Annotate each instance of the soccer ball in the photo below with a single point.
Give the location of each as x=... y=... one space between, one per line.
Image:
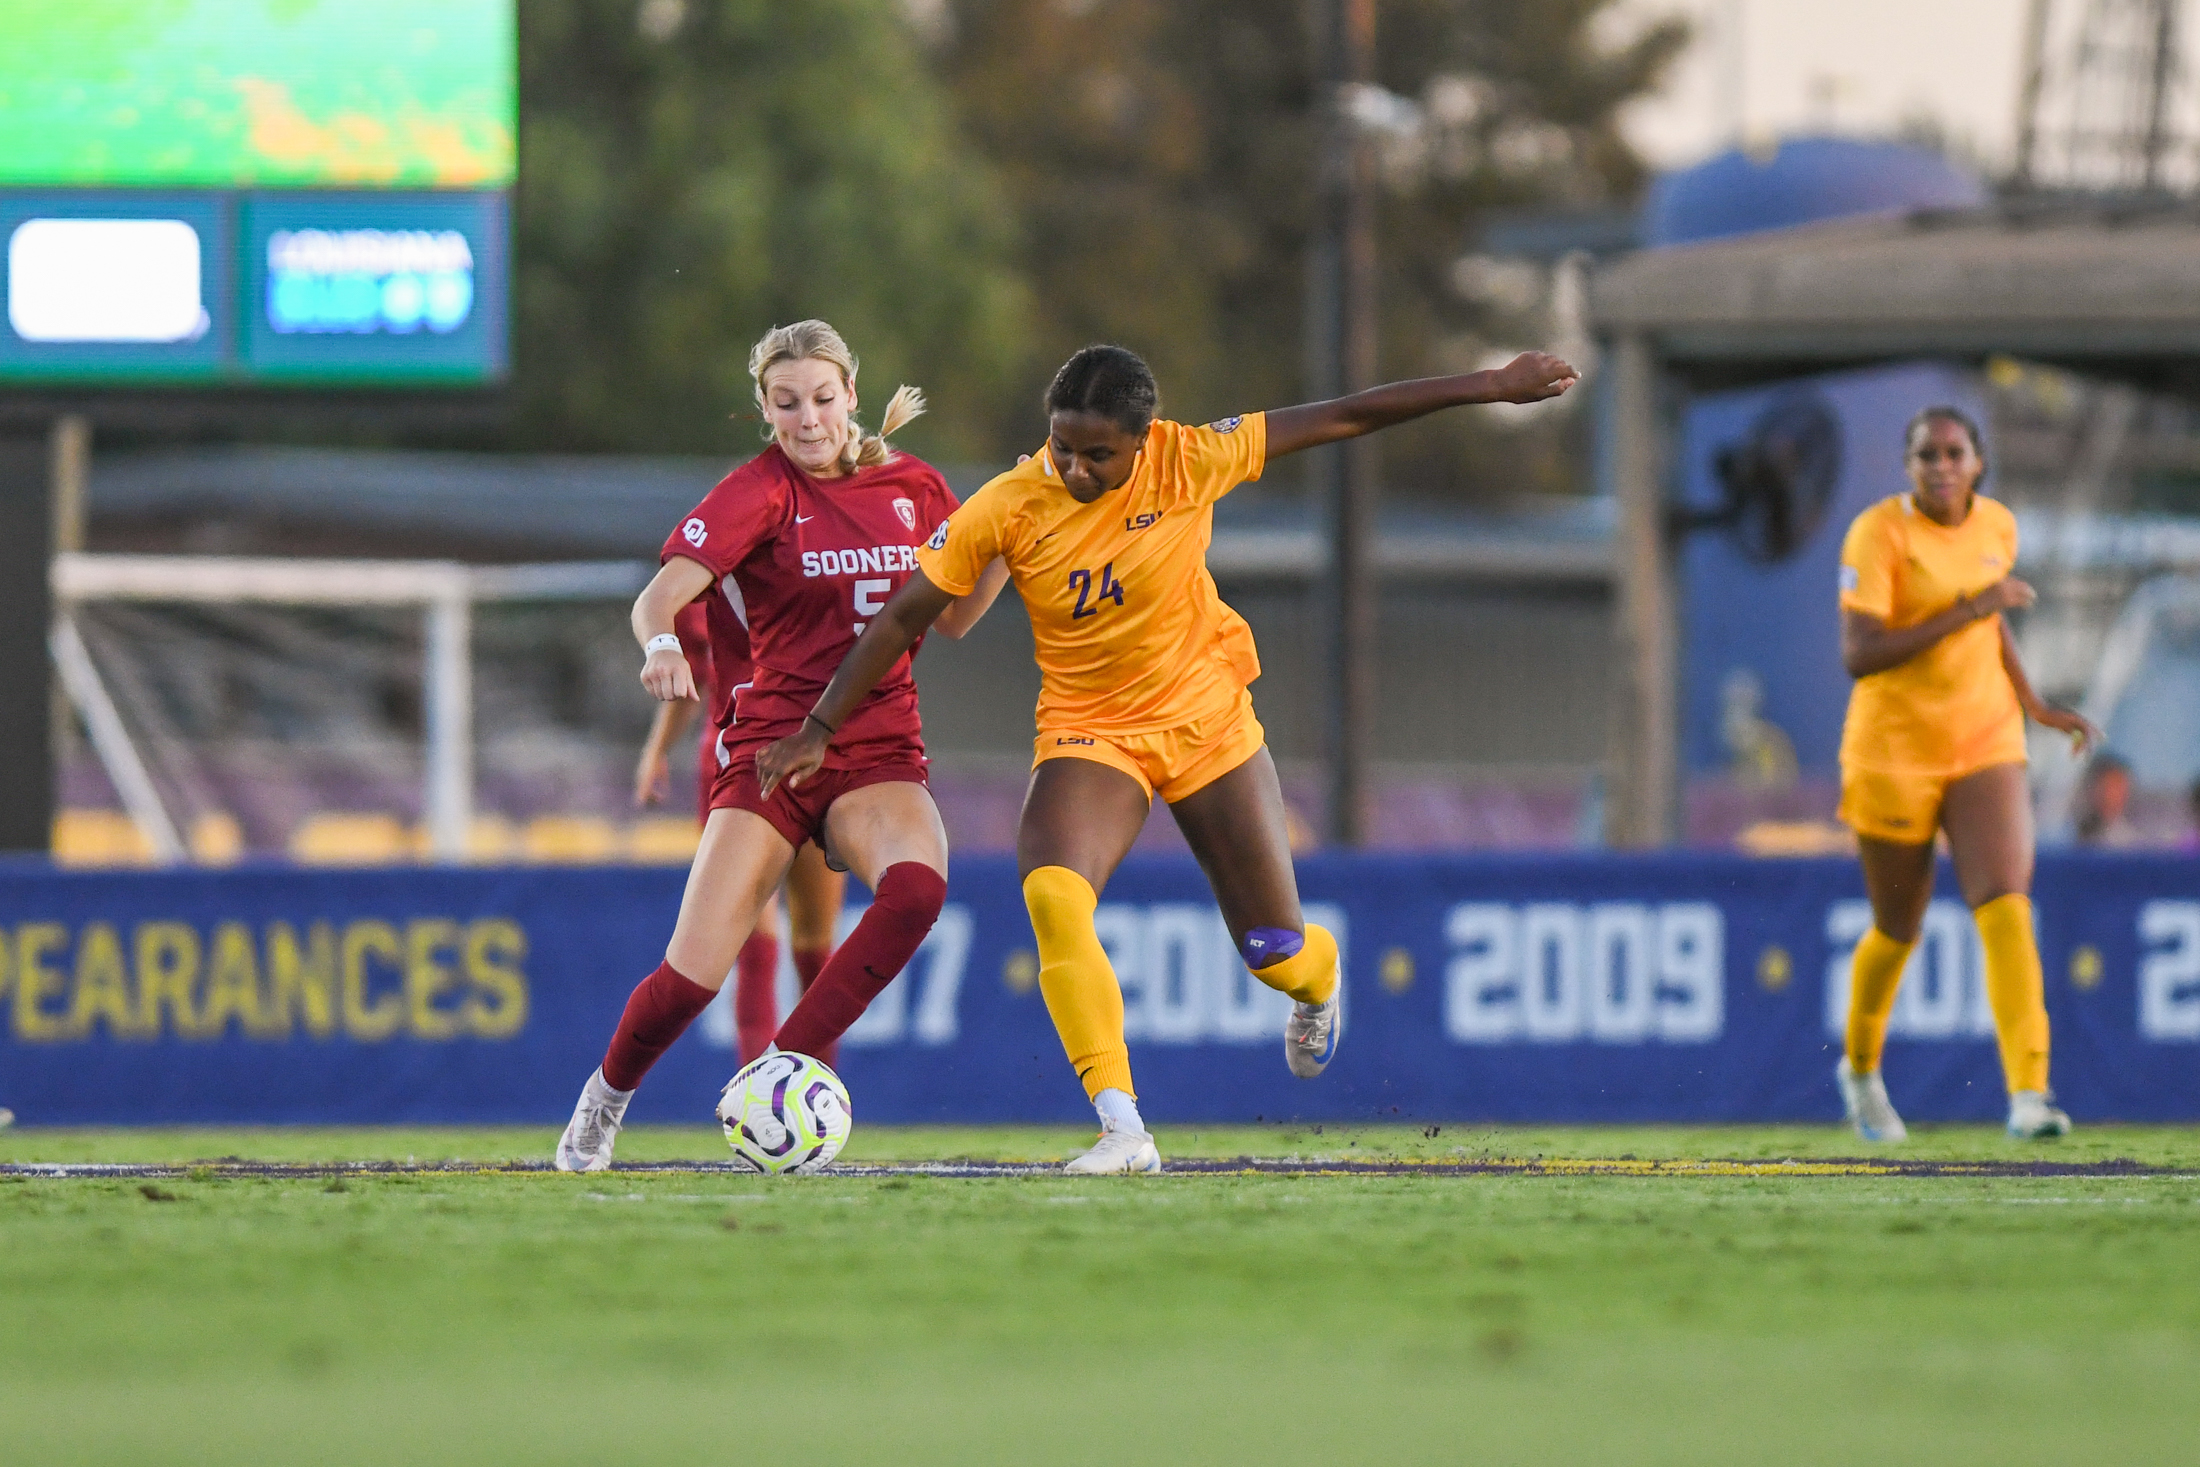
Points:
x=785 y=1113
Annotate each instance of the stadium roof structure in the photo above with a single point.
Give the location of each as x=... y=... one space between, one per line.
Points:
x=2104 y=288
x=2110 y=288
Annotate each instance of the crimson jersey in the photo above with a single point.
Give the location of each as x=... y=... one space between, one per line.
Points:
x=802 y=566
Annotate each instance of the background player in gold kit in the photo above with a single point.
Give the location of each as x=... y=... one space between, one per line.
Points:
x=1143 y=692
x=1935 y=742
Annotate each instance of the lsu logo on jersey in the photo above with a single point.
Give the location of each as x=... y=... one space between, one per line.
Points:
x=939 y=537
x=907 y=509
x=695 y=532
x=1135 y=523
x=1226 y=425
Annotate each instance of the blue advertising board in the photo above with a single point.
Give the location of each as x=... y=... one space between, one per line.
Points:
x=1563 y=988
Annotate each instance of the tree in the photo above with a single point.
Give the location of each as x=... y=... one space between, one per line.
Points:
x=693 y=173
x=1162 y=155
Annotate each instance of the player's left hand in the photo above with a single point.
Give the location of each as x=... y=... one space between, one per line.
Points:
x=793 y=759
x=2083 y=735
x=1534 y=376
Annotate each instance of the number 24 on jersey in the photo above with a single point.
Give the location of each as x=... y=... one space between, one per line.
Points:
x=1110 y=589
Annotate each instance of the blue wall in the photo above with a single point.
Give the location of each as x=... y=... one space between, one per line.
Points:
x=1682 y=988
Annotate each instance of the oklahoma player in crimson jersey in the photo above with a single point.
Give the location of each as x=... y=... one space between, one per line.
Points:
x=797 y=548
x=813 y=890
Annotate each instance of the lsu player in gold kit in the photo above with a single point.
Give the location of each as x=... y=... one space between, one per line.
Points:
x=1143 y=686
x=1935 y=743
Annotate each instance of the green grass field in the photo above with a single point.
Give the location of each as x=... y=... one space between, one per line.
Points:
x=486 y=1317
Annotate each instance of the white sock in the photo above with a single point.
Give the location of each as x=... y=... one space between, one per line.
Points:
x=604 y=1091
x=1118 y=1112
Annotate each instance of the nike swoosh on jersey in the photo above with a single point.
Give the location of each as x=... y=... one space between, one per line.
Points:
x=803 y=519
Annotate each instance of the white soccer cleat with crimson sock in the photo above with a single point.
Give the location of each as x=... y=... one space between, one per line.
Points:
x=589 y=1136
x=1118 y=1151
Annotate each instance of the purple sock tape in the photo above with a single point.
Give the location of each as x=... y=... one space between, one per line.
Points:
x=1268 y=945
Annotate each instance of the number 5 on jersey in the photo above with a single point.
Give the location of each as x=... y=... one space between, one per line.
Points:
x=1111 y=589
x=870 y=600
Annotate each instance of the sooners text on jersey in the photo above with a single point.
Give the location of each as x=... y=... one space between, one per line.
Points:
x=802 y=565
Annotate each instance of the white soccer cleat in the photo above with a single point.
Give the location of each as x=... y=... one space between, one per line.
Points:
x=1864 y=1098
x=2033 y=1116
x=1310 y=1035
x=1117 y=1152
x=586 y=1144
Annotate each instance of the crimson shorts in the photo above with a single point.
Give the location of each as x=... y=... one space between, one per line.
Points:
x=798 y=812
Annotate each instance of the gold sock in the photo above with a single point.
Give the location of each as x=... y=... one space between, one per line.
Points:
x=1308 y=975
x=1874 y=973
x=1077 y=980
x=2015 y=989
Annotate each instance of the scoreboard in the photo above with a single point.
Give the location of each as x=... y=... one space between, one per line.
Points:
x=209 y=193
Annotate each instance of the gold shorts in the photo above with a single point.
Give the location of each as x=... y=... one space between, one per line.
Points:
x=1173 y=763
x=1889 y=805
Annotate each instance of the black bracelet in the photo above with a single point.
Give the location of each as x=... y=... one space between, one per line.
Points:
x=821 y=723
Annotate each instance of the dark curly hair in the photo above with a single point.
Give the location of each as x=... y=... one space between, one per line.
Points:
x=1113 y=381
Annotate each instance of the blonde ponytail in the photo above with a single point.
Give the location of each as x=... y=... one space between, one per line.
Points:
x=907 y=403
x=807 y=340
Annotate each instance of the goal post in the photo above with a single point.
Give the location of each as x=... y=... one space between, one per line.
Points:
x=444 y=592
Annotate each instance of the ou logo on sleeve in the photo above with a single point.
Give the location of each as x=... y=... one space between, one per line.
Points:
x=695 y=532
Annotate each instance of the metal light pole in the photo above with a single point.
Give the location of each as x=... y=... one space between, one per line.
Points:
x=1341 y=359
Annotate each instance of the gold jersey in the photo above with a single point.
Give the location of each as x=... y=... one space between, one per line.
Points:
x=1951 y=709
x=1131 y=635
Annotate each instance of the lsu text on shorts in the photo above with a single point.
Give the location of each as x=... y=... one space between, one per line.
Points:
x=1174 y=763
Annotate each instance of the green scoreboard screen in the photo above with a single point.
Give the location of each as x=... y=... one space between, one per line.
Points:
x=237 y=192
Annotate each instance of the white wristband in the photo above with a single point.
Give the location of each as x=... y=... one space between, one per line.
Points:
x=662 y=642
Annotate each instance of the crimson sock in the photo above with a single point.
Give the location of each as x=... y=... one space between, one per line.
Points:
x=808 y=963
x=756 y=994
x=662 y=1007
x=903 y=910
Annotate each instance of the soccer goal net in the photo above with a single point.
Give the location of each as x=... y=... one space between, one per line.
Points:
x=220 y=708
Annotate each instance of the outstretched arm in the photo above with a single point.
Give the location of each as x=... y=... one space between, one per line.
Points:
x=892 y=632
x=1530 y=377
